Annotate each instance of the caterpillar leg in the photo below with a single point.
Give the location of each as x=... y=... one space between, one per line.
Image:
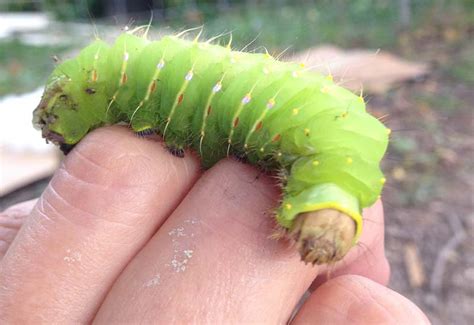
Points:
x=66 y=148
x=145 y=132
x=240 y=156
x=323 y=236
x=175 y=151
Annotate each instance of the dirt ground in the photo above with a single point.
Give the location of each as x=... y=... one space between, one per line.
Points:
x=429 y=198
x=429 y=194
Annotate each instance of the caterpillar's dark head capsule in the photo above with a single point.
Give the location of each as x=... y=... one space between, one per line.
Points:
x=324 y=236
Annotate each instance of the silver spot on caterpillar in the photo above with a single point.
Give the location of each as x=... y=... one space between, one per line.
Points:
x=217 y=87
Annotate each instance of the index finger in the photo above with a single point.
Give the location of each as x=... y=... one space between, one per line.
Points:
x=111 y=194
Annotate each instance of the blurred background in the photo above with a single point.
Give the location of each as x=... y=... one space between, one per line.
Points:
x=413 y=59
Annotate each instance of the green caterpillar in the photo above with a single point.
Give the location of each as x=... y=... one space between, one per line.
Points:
x=220 y=102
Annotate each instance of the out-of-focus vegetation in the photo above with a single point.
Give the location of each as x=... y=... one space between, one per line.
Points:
x=271 y=24
x=20 y=5
x=463 y=67
x=278 y=23
x=359 y=23
x=24 y=67
x=300 y=23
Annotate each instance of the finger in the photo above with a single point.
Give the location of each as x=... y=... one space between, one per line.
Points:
x=357 y=300
x=368 y=257
x=10 y=222
x=213 y=261
x=100 y=208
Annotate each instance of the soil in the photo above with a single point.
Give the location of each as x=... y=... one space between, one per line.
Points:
x=429 y=196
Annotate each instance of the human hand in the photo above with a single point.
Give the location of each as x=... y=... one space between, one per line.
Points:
x=127 y=233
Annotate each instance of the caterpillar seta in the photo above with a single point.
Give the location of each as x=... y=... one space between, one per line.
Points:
x=221 y=102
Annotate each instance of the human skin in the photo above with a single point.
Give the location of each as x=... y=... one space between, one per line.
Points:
x=127 y=233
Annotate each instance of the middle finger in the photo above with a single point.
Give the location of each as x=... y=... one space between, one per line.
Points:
x=213 y=261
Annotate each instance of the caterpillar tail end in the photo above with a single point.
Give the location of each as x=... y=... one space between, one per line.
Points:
x=324 y=220
x=324 y=236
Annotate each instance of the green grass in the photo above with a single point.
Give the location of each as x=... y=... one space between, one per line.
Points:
x=296 y=24
x=303 y=24
x=24 y=67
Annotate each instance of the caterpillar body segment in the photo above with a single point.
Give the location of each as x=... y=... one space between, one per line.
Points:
x=222 y=102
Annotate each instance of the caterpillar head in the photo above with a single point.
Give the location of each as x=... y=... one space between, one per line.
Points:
x=62 y=116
